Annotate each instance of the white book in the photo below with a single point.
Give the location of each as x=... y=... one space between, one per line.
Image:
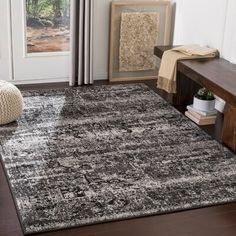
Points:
x=203 y=113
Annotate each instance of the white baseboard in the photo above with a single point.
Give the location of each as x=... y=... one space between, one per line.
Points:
x=101 y=76
x=39 y=81
x=55 y=80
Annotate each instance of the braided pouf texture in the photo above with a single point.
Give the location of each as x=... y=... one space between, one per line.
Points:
x=11 y=102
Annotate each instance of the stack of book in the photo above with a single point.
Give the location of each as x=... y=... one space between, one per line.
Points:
x=201 y=117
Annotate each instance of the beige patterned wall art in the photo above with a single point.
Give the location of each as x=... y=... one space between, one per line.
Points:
x=136 y=27
x=138 y=36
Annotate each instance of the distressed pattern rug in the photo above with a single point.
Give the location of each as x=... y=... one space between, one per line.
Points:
x=81 y=156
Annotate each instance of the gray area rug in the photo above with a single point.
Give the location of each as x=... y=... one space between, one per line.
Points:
x=93 y=154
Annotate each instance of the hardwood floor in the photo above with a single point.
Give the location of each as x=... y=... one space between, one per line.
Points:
x=210 y=221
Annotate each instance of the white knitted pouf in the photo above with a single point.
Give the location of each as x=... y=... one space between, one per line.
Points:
x=11 y=102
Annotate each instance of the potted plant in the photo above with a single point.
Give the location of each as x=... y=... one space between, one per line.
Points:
x=204 y=100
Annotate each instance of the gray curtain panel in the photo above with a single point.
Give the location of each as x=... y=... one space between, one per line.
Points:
x=81 y=42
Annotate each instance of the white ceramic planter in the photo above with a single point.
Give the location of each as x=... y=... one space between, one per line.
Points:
x=203 y=105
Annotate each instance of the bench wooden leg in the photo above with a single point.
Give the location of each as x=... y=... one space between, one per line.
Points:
x=229 y=127
x=186 y=89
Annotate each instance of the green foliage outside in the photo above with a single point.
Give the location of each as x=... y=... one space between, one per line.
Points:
x=54 y=11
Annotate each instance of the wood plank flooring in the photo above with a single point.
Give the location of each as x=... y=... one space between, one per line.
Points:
x=210 y=221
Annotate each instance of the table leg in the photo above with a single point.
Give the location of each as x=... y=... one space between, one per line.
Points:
x=229 y=127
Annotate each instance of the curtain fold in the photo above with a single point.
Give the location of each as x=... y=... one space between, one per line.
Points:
x=81 y=67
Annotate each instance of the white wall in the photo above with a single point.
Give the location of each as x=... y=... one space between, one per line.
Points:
x=5 y=50
x=200 y=21
x=101 y=39
x=229 y=45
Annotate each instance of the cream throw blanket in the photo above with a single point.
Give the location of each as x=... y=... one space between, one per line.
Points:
x=168 y=69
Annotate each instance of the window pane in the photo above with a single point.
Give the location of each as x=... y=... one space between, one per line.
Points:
x=48 y=25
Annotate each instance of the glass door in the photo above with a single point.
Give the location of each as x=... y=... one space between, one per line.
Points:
x=5 y=41
x=41 y=39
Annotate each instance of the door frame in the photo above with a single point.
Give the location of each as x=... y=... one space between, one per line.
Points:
x=34 y=67
x=6 y=66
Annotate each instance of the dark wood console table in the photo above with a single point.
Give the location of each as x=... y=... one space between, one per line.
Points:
x=217 y=75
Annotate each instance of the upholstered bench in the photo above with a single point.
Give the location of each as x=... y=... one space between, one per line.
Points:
x=11 y=102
